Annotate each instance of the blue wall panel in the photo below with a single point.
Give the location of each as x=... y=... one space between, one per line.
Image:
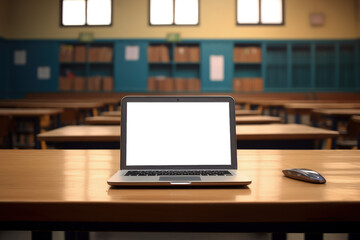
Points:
x=187 y=70
x=4 y=69
x=276 y=66
x=38 y=53
x=287 y=65
x=209 y=48
x=347 y=66
x=301 y=66
x=325 y=67
x=130 y=76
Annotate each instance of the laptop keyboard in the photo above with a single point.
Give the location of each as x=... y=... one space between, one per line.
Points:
x=187 y=173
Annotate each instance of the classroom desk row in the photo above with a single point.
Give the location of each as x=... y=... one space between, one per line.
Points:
x=275 y=105
x=49 y=117
x=86 y=107
x=238 y=112
x=113 y=120
x=32 y=115
x=304 y=107
x=273 y=136
x=107 y=103
x=66 y=190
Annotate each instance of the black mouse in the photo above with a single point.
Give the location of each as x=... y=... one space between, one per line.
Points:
x=304 y=174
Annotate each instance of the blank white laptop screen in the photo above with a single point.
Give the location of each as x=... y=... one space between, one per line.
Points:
x=178 y=133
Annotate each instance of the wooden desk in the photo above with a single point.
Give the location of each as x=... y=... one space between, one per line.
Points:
x=83 y=137
x=111 y=103
x=276 y=105
x=335 y=115
x=35 y=116
x=111 y=114
x=110 y=119
x=356 y=120
x=307 y=108
x=103 y=120
x=244 y=112
x=94 y=136
x=257 y=119
x=69 y=192
x=87 y=107
x=274 y=136
x=238 y=112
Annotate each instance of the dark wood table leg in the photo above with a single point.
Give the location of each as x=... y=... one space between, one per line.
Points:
x=77 y=236
x=278 y=236
x=41 y=235
x=313 y=236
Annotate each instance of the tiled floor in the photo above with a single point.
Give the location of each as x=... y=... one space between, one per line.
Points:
x=12 y=235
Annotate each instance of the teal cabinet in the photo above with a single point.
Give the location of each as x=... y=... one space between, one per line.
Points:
x=225 y=49
x=301 y=66
x=130 y=76
x=23 y=78
x=285 y=66
x=347 y=66
x=174 y=67
x=276 y=66
x=4 y=69
x=86 y=66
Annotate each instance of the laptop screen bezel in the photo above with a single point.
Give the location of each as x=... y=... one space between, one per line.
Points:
x=232 y=134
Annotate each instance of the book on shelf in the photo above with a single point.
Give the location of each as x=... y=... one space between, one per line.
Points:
x=79 y=83
x=80 y=53
x=66 y=53
x=248 y=84
x=248 y=54
x=158 y=54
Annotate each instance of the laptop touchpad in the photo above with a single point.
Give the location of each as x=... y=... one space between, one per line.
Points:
x=174 y=179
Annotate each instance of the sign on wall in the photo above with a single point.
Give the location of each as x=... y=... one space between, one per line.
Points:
x=20 y=57
x=217 y=68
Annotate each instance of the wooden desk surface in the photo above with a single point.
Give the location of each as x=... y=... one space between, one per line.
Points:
x=27 y=112
x=70 y=186
x=337 y=112
x=312 y=106
x=238 y=112
x=273 y=102
x=103 y=120
x=243 y=132
x=283 y=102
x=114 y=101
x=356 y=119
x=111 y=114
x=244 y=112
x=281 y=132
x=55 y=104
x=243 y=119
x=257 y=119
x=82 y=134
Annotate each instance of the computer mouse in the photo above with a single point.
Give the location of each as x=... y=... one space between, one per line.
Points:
x=304 y=174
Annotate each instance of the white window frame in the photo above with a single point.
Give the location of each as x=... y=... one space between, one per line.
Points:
x=173 y=16
x=86 y=23
x=260 y=23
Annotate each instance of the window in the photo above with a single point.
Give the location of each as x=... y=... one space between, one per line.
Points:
x=86 y=12
x=174 y=12
x=260 y=12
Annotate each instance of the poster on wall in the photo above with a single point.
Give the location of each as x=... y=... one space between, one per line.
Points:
x=43 y=73
x=132 y=53
x=217 y=68
x=20 y=57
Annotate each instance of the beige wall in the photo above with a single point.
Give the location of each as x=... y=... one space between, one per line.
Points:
x=39 y=19
x=3 y=17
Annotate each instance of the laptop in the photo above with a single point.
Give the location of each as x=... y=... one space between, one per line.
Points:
x=172 y=141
